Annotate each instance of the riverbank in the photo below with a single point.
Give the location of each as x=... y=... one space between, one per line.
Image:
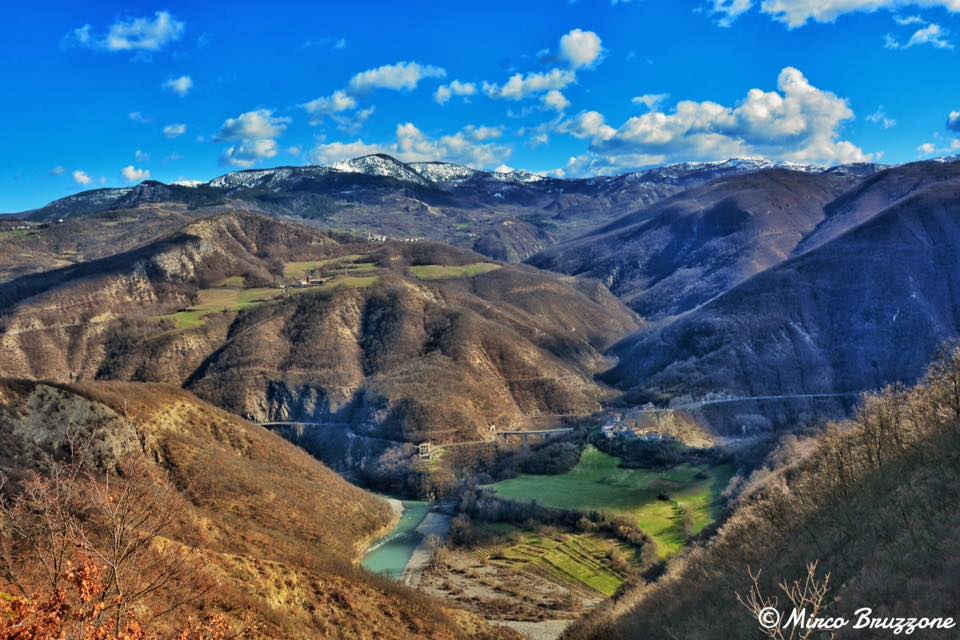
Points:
x=434 y=524
x=391 y=554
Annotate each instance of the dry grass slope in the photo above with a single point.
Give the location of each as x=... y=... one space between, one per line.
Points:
x=872 y=500
x=277 y=530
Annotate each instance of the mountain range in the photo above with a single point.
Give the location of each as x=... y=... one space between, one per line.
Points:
x=506 y=215
x=379 y=305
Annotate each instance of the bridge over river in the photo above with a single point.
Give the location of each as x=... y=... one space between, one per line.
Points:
x=427 y=449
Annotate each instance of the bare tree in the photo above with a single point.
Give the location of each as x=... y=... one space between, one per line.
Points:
x=809 y=594
x=118 y=521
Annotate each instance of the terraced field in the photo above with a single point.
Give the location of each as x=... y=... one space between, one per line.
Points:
x=598 y=483
x=572 y=560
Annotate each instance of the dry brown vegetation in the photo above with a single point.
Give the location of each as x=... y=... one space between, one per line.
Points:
x=243 y=525
x=872 y=501
x=404 y=360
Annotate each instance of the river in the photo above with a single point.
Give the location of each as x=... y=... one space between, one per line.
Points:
x=391 y=554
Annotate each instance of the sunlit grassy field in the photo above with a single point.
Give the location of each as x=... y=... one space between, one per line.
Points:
x=564 y=558
x=442 y=272
x=300 y=270
x=597 y=483
x=234 y=299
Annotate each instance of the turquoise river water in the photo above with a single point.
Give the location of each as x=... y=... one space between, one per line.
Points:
x=391 y=555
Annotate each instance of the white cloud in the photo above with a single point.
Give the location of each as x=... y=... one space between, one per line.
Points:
x=467 y=146
x=539 y=139
x=890 y=42
x=581 y=48
x=249 y=152
x=141 y=156
x=880 y=117
x=729 y=10
x=328 y=153
x=796 y=13
x=953 y=121
x=398 y=76
x=58 y=170
x=336 y=102
x=930 y=148
x=131 y=174
x=650 y=100
x=260 y=123
x=81 y=178
x=482 y=133
x=131 y=34
x=180 y=86
x=798 y=123
x=335 y=107
x=138 y=117
x=555 y=100
x=455 y=88
x=355 y=121
x=256 y=131
x=589 y=125
x=174 y=130
x=521 y=86
x=932 y=34
x=905 y=21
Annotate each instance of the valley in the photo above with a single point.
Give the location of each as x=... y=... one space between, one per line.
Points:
x=493 y=405
x=671 y=506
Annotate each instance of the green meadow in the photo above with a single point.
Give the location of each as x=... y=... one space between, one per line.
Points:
x=597 y=483
x=234 y=299
x=299 y=270
x=443 y=272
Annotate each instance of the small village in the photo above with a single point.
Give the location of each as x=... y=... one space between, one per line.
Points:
x=646 y=423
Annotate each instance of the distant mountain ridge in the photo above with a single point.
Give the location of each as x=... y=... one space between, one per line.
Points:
x=868 y=306
x=425 y=174
x=505 y=214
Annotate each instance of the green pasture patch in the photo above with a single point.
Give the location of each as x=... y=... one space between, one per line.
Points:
x=444 y=272
x=597 y=483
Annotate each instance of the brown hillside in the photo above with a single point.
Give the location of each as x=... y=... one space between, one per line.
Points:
x=684 y=250
x=275 y=529
x=872 y=501
x=451 y=355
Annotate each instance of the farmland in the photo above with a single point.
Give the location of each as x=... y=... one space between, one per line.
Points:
x=654 y=499
x=300 y=270
x=572 y=560
x=444 y=272
x=238 y=299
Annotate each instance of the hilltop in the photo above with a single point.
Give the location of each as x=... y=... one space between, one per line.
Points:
x=867 y=308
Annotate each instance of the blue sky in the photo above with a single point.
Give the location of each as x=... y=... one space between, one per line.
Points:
x=107 y=94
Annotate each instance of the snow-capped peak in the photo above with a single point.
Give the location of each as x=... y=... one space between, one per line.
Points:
x=443 y=171
x=380 y=164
